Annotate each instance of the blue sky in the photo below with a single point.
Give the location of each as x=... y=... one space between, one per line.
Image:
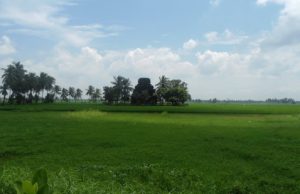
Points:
x=237 y=49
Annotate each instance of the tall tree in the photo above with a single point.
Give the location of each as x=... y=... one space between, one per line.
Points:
x=161 y=88
x=4 y=92
x=78 y=94
x=108 y=94
x=97 y=95
x=64 y=94
x=122 y=89
x=14 y=79
x=23 y=85
x=90 y=91
x=57 y=90
x=43 y=82
x=37 y=90
x=50 y=81
x=126 y=90
x=31 y=80
x=117 y=85
x=72 y=92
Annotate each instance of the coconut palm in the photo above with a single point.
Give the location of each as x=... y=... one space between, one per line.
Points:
x=14 y=79
x=64 y=94
x=122 y=89
x=31 y=82
x=43 y=82
x=72 y=92
x=3 y=91
x=117 y=85
x=97 y=95
x=161 y=88
x=56 y=90
x=126 y=90
x=90 y=91
x=50 y=81
x=78 y=94
x=108 y=94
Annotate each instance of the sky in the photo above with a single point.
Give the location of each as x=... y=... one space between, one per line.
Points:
x=225 y=49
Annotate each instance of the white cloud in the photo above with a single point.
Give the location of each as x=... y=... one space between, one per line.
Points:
x=156 y=62
x=211 y=62
x=214 y=74
x=6 y=46
x=89 y=66
x=44 y=18
x=190 y=44
x=286 y=30
x=227 y=37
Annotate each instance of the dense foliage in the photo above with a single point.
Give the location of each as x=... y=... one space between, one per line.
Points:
x=144 y=93
x=22 y=87
x=168 y=91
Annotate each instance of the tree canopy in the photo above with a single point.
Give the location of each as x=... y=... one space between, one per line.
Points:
x=144 y=93
x=20 y=86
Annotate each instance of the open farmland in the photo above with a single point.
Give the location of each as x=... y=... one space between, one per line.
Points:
x=200 y=148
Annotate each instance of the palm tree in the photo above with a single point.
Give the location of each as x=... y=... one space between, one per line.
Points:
x=126 y=90
x=14 y=79
x=50 y=81
x=161 y=88
x=163 y=82
x=3 y=91
x=46 y=82
x=78 y=94
x=31 y=81
x=118 y=85
x=57 y=90
x=97 y=95
x=43 y=82
x=90 y=91
x=72 y=92
x=64 y=94
x=8 y=75
x=108 y=94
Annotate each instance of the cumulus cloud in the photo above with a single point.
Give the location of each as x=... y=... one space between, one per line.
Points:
x=227 y=37
x=190 y=44
x=286 y=30
x=218 y=74
x=211 y=62
x=90 y=66
x=45 y=18
x=6 y=46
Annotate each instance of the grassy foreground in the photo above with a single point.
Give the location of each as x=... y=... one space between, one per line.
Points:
x=122 y=149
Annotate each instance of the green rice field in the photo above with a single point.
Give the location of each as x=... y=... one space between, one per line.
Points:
x=198 y=148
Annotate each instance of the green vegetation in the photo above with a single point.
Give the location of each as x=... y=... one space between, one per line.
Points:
x=38 y=184
x=25 y=88
x=200 y=148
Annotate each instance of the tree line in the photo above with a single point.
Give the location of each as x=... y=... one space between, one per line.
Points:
x=22 y=87
x=281 y=101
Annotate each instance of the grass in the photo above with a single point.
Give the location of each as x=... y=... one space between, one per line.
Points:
x=201 y=148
